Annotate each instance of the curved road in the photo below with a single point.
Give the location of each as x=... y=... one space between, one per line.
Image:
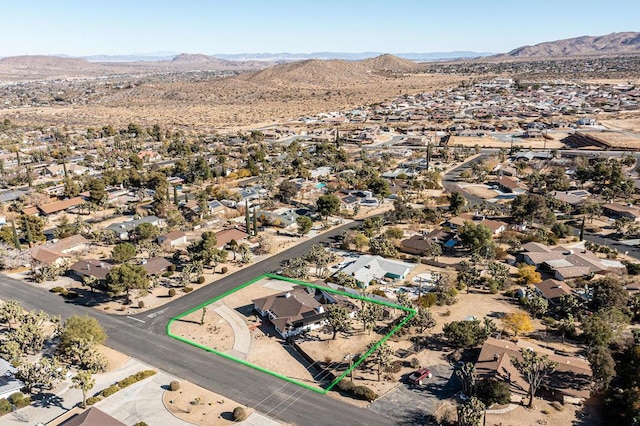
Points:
x=143 y=337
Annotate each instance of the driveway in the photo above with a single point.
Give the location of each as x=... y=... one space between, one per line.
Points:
x=411 y=405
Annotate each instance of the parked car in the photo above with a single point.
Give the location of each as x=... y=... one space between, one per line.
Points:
x=418 y=376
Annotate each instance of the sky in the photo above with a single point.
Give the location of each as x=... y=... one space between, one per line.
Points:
x=90 y=27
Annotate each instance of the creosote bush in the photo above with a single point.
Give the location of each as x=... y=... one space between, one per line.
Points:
x=239 y=414
x=174 y=385
x=172 y=292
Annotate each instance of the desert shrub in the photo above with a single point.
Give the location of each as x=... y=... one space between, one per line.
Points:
x=394 y=367
x=428 y=300
x=510 y=293
x=557 y=405
x=492 y=391
x=200 y=280
x=494 y=287
x=345 y=385
x=70 y=294
x=172 y=292
x=140 y=303
x=414 y=362
x=224 y=270
x=168 y=274
x=187 y=289
x=545 y=412
x=174 y=385
x=5 y=406
x=93 y=400
x=363 y=392
x=239 y=414
x=127 y=381
x=110 y=391
x=141 y=375
x=19 y=400
x=171 y=268
x=140 y=424
x=57 y=290
x=378 y=292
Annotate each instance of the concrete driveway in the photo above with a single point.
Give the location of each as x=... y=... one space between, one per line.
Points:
x=410 y=405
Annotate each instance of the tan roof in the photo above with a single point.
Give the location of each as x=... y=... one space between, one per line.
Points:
x=572 y=377
x=91 y=267
x=30 y=211
x=508 y=182
x=155 y=265
x=552 y=289
x=58 y=206
x=46 y=256
x=225 y=236
x=173 y=235
x=92 y=417
x=68 y=243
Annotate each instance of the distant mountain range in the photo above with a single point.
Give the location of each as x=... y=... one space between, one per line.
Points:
x=610 y=44
x=283 y=57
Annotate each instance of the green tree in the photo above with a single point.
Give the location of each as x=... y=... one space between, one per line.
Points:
x=466 y=375
x=465 y=334
x=123 y=252
x=287 y=191
x=338 y=319
x=297 y=268
x=536 y=304
x=85 y=382
x=328 y=204
x=456 y=202
x=321 y=257
x=11 y=313
x=394 y=233
x=371 y=226
x=534 y=368
x=602 y=366
x=97 y=192
x=608 y=292
x=82 y=328
x=125 y=278
x=41 y=374
x=33 y=228
x=477 y=238
x=470 y=412
x=381 y=246
x=145 y=231
x=381 y=356
x=304 y=225
x=369 y=314
x=493 y=391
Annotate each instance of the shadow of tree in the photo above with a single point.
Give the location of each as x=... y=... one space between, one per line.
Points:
x=416 y=417
x=46 y=400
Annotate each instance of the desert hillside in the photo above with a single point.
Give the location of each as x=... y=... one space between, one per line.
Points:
x=610 y=44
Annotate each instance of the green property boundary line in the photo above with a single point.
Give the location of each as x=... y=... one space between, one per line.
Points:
x=411 y=312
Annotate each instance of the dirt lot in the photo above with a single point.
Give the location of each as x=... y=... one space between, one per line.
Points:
x=489 y=142
x=481 y=191
x=215 y=333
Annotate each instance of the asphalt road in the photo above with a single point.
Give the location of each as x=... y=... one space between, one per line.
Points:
x=143 y=337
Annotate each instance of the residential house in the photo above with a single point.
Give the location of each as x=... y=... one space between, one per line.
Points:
x=122 y=229
x=90 y=268
x=57 y=170
x=60 y=206
x=509 y=184
x=497 y=227
x=571 y=382
x=42 y=257
x=92 y=417
x=574 y=198
x=225 y=236
x=619 y=211
x=173 y=239
x=552 y=290
x=283 y=219
x=566 y=263
x=8 y=382
x=73 y=244
x=376 y=268
x=292 y=312
x=156 y=265
x=419 y=244
x=148 y=156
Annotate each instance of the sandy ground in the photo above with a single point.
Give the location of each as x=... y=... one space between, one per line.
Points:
x=216 y=333
x=628 y=124
x=489 y=142
x=199 y=406
x=480 y=191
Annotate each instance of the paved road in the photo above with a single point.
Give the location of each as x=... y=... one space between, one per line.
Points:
x=143 y=337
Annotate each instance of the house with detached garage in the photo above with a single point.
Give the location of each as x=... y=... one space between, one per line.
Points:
x=376 y=268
